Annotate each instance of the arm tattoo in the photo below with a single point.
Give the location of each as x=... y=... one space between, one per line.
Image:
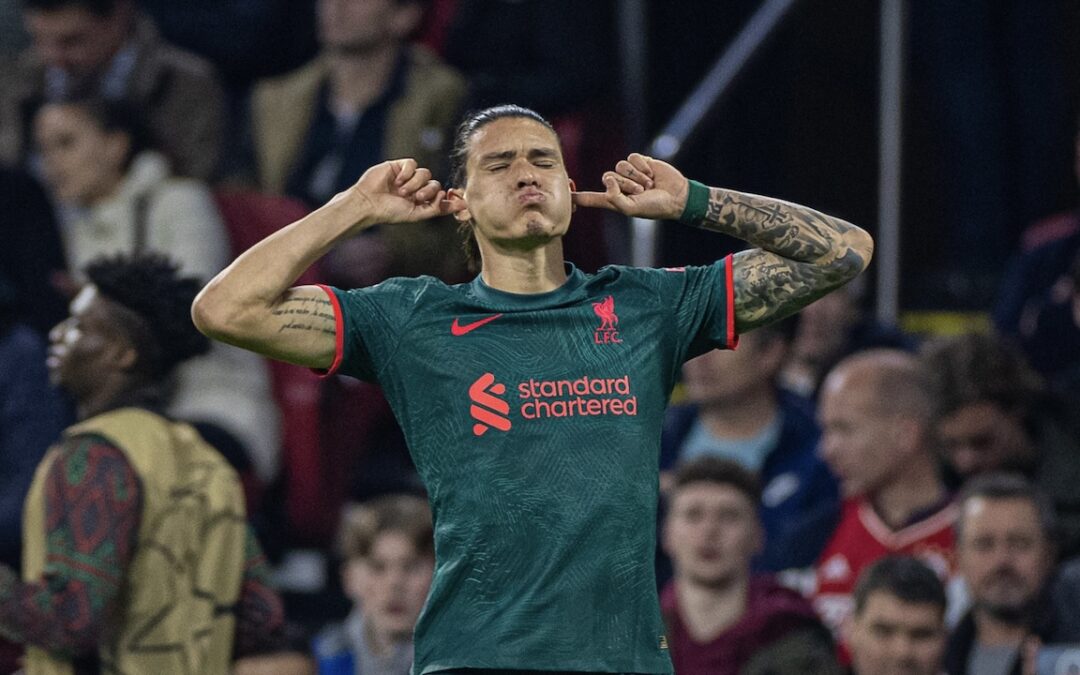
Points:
x=802 y=253
x=299 y=313
x=93 y=507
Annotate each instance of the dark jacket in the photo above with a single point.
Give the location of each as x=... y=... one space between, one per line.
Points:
x=1055 y=621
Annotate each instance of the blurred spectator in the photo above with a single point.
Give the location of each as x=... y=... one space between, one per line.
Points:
x=737 y=411
x=876 y=415
x=134 y=528
x=721 y=620
x=32 y=257
x=898 y=627
x=387 y=549
x=830 y=329
x=124 y=199
x=32 y=415
x=107 y=48
x=1005 y=550
x=1049 y=332
x=368 y=96
x=994 y=414
x=1047 y=248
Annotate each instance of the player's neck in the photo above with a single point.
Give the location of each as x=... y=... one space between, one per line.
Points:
x=708 y=610
x=914 y=489
x=356 y=80
x=538 y=270
x=740 y=417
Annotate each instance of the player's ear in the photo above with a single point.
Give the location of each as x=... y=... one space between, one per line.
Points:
x=458 y=206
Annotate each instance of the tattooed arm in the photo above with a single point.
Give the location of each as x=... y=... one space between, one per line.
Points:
x=250 y=303
x=802 y=254
x=93 y=506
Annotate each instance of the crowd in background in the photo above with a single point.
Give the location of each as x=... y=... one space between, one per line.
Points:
x=829 y=485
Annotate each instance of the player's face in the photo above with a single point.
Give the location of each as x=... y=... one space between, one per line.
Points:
x=391 y=584
x=1003 y=554
x=982 y=437
x=75 y=40
x=83 y=163
x=81 y=347
x=859 y=437
x=711 y=533
x=724 y=376
x=517 y=192
x=894 y=637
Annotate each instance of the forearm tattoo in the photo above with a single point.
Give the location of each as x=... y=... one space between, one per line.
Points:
x=305 y=314
x=803 y=254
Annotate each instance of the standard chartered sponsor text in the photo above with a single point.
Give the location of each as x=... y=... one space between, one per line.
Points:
x=581 y=397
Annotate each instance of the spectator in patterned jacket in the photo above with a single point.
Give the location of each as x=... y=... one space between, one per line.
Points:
x=135 y=550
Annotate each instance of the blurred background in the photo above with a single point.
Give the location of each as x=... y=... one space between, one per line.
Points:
x=947 y=129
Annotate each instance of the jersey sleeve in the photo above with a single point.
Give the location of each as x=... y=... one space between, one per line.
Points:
x=369 y=323
x=704 y=307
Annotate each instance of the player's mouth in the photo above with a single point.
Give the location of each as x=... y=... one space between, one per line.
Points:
x=527 y=197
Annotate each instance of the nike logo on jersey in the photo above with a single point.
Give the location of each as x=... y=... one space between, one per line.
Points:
x=458 y=330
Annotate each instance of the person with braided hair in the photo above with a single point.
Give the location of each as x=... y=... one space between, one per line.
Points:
x=136 y=552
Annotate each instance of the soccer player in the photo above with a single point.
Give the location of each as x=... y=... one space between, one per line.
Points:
x=532 y=398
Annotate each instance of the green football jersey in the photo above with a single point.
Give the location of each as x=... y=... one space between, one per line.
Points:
x=534 y=421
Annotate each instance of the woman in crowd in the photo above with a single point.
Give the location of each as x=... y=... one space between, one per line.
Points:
x=116 y=194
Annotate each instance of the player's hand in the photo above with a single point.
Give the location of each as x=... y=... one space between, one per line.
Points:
x=397 y=191
x=640 y=186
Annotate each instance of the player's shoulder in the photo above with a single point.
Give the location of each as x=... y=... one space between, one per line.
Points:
x=415 y=288
x=657 y=279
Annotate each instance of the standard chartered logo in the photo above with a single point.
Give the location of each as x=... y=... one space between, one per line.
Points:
x=487 y=409
x=540 y=399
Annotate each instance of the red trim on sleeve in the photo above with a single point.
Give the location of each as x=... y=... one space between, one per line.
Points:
x=729 y=278
x=339 y=334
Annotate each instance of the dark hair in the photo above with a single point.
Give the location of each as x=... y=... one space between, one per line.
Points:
x=112 y=117
x=361 y=525
x=459 y=155
x=100 y=8
x=159 y=301
x=974 y=368
x=904 y=577
x=720 y=472
x=1001 y=485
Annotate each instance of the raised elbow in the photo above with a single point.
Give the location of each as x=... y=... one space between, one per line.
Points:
x=857 y=251
x=209 y=315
